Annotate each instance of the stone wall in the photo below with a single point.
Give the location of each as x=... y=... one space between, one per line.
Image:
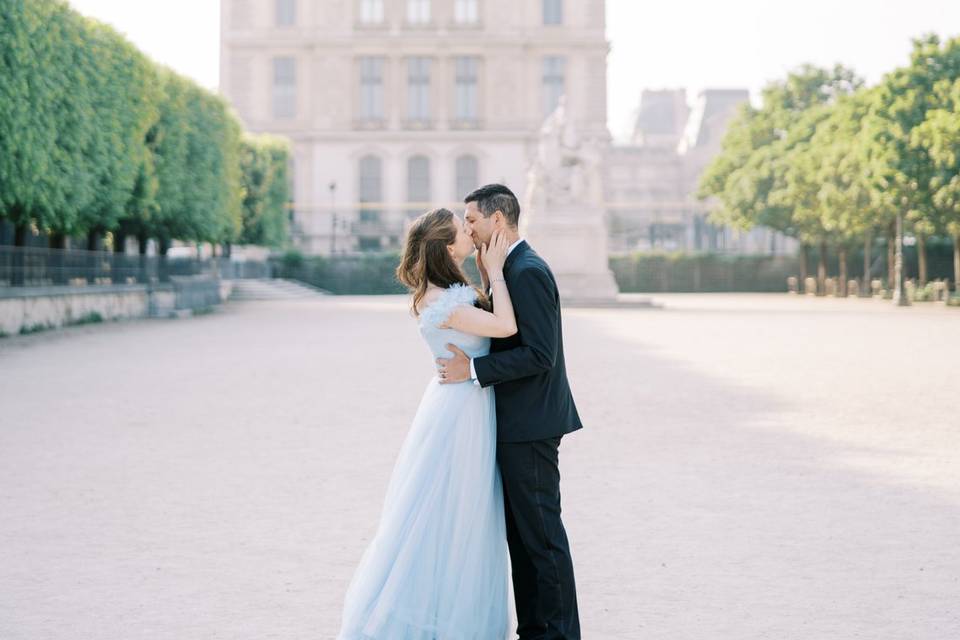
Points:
x=28 y=309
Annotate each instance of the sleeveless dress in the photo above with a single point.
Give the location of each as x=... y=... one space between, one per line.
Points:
x=437 y=568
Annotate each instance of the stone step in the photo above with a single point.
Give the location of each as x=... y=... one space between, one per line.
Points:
x=272 y=289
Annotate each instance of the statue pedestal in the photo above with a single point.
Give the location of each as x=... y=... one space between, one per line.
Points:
x=574 y=244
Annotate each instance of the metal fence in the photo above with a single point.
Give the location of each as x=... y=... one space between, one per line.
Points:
x=40 y=266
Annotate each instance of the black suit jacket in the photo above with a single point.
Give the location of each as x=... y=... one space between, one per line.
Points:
x=533 y=397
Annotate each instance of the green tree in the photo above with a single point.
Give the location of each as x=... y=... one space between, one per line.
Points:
x=266 y=193
x=43 y=132
x=95 y=138
x=939 y=136
x=123 y=98
x=905 y=169
x=752 y=180
x=845 y=187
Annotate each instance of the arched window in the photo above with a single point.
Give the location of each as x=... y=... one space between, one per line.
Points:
x=371 y=187
x=418 y=180
x=467 y=175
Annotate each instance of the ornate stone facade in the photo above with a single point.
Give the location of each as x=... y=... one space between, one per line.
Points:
x=394 y=106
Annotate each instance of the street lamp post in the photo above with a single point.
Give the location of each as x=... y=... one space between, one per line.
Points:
x=900 y=297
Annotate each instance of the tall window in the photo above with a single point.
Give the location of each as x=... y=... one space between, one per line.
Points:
x=553 y=82
x=465 y=11
x=284 y=87
x=418 y=89
x=371 y=88
x=418 y=11
x=285 y=12
x=418 y=180
x=552 y=11
x=371 y=11
x=371 y=187
x=467 y=176
x=465 y=90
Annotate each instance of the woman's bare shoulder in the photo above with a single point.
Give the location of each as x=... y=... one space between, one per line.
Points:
x=429 y=297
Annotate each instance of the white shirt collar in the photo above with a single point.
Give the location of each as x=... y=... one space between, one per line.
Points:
x=512 y=246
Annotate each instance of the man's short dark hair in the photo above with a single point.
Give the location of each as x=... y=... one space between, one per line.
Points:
x=491 y=197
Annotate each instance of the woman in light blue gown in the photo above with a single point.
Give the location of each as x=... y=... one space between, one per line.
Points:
x=437 y=568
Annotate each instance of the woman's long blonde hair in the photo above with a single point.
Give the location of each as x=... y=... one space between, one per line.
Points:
x=425 y=258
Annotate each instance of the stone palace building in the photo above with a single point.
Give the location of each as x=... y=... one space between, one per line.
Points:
x=395 y=106
x=651 y=181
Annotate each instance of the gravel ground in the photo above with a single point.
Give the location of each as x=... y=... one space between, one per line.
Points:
x=752 y=466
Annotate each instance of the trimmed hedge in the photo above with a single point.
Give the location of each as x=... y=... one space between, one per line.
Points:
x=371 y=274
x=676 y=272
x=646 y=273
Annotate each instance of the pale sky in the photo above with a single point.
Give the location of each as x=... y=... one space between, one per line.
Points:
x=663 y=44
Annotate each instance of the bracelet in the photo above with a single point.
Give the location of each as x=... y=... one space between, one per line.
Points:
x=498 y=280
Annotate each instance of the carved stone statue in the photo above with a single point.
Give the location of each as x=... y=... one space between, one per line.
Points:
x=564 y=216
x=566 y=169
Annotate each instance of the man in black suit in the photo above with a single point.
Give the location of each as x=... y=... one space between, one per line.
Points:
x=534 y=410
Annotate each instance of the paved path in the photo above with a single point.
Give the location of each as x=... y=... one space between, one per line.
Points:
x=751 y=467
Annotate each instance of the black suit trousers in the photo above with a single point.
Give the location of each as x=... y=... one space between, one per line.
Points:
x=543 y=582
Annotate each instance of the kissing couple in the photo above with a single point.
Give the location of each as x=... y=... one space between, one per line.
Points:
x=478 y=473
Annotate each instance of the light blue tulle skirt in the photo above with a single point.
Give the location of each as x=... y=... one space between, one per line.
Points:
x=437 y=568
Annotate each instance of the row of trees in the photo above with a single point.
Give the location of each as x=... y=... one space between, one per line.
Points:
x=835 y=163
x=96 y=138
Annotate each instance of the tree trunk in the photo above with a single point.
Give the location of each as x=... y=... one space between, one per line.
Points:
x=20 y=235
x=804 y=261
x=92 y=261
x=921 y=259
x=57 y=240
x=891 y=257
x=842 y=257
x=56 y=262
x=120 y=240
x=163 y=247
x=142 y=241
x=867 y=247
x=119 y=263
x=18 y=276
x=822 y=269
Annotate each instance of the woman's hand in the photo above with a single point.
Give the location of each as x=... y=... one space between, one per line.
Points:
x=484 y=278
x=492 y=257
